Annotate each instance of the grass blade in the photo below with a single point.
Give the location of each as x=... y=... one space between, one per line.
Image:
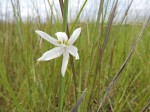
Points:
x=123 y=66
x=146 y=107
x=78 y=15
x=98 y=66
x=75 y=108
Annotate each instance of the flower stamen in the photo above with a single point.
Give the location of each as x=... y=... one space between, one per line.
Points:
x=63 y=42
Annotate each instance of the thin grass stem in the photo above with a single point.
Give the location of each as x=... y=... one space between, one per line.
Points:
x=71 y=58
x=123 y=66
x=98 y=66
x=61 y=92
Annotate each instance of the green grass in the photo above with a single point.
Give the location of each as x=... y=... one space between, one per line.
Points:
x=31 y=86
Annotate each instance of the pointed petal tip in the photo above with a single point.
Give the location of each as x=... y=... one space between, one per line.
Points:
x=39 y=59
x=77 y=58
x=64 y=63
x=37 y=31
x=79 y=28
x=63 y=74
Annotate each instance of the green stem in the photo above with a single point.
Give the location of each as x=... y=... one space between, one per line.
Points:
x=64 y=10
x=78 y=15
x=61 y=93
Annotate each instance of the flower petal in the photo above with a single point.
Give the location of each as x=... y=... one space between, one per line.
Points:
x=64 y=62
x=47 y=37
x=62 y=36
x=74 y=36
x=51 y=54
x=73 y=51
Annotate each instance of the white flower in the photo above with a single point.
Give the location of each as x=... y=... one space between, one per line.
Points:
x=63 y=47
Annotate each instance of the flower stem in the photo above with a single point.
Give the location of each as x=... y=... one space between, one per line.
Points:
x=61 y=94
x=64 y=11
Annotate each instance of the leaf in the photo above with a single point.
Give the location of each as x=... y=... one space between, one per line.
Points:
x=74 y=109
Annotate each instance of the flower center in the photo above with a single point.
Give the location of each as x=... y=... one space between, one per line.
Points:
x=63 y=42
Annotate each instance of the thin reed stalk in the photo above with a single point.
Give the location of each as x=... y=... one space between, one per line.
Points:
x=126 y=12
x=71 y=58
x=75 y=108
x=61 y=87
x=78 y=16
x=101 y=53
x=123 y=66
x=17 y=16
x=146 y=107
x=61 y=93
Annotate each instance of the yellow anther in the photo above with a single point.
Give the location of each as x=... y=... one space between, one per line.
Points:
x=63 y=42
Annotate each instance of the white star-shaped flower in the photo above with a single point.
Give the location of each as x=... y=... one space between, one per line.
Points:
x=64 y=46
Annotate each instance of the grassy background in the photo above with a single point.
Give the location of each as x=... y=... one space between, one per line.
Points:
x=28 y=85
